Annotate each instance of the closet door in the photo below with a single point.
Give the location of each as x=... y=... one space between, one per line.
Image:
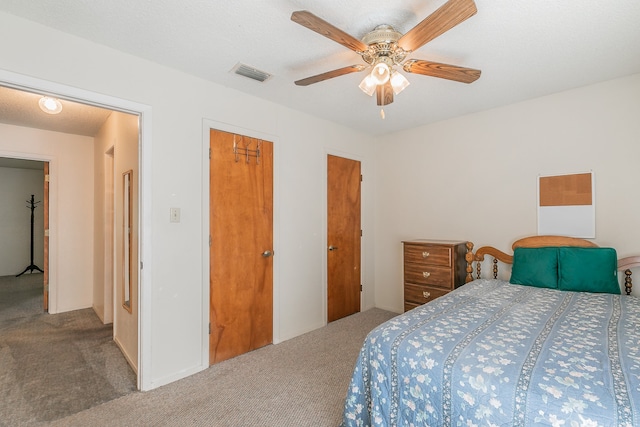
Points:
x=343 y=237
x=241 y=250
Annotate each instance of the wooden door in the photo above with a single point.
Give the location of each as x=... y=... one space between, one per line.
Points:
x=241 y=263
x=45 y=209
x=343 y=237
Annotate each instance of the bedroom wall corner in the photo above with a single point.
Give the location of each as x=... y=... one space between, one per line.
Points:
x=474 y=177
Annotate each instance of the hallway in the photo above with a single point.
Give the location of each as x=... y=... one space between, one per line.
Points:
x=53 y=365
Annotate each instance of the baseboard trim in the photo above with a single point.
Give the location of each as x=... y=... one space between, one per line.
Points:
x=299 y=332
x=159 y=382
x=391 y=309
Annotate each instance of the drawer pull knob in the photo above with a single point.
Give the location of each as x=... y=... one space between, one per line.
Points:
x=425 y=254
x=426 y=274
x=426 y=294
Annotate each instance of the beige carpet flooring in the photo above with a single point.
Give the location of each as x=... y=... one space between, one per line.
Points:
x=301 y=382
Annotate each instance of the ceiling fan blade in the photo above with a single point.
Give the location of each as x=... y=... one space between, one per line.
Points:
x=384 y=93
x=330 y=74
x=444 y=71
x=445 y=18
x=322 y=27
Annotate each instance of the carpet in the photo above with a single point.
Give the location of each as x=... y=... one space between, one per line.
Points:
x=301 y=382
x=53 y=365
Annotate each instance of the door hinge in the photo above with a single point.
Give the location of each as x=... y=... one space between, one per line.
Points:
x=360 y=288
x=360 y=233
x=360 y=177
x=209 y=153
x=46 y=178
x=209 y=328
x=141 y=265
x=209 y=240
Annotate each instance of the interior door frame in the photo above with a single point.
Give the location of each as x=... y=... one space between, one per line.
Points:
x=51 y=264
x=208 y=124
x=325 y=261
x=45 y=240
x=144 y=112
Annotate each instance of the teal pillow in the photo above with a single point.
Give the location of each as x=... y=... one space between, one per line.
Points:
x=588 y=270
x=535 y=267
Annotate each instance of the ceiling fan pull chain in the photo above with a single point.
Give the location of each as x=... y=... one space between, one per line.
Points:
x=382 y=113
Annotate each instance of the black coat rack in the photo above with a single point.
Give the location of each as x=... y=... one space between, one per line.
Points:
x=31 y=205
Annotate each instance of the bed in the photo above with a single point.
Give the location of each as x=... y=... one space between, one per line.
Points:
x=496 y=353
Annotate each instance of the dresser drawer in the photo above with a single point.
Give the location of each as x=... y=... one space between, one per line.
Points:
x=431 y=269
x=427 y=254
x=428 y=275
x=421 y=294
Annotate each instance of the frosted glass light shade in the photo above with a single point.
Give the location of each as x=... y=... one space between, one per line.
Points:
x=398 y=82
x=381 y=73
x=368 y=85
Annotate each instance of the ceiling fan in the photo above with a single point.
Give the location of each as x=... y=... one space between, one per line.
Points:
x=384 y=48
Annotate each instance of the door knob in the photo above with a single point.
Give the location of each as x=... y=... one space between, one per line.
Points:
x=267 y=254
x=333 y=248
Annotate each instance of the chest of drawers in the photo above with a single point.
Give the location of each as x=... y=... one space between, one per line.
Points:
x=431 y=269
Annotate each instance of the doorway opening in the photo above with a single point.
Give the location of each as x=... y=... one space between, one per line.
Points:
x=22 y=234
x=137 y=358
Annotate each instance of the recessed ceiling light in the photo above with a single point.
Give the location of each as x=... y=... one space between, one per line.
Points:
x=50 y=105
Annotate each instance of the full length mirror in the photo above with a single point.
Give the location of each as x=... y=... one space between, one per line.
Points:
x=126 y=240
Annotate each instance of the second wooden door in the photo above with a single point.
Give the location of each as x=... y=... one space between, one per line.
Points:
x=343 y=237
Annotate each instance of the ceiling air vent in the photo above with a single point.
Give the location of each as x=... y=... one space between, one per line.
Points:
x=250 y=72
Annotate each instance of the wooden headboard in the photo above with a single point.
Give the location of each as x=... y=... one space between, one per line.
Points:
x=624 y=264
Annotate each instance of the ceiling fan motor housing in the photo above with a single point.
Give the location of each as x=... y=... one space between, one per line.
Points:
x=383 y=47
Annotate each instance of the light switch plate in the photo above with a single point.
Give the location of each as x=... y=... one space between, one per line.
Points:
x=174 y=215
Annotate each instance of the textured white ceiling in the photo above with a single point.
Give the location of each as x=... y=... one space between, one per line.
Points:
x=525 y=48
x=21 y=109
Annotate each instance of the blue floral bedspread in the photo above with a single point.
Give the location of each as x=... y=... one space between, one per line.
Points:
x=496 y=354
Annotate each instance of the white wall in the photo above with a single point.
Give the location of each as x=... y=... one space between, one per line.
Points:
x=103 y=223
x=474 y=177
x=16 y=187
x=70 y=209
x=176 y=282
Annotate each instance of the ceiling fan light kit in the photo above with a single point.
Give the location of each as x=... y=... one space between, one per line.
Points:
x=384 y=48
